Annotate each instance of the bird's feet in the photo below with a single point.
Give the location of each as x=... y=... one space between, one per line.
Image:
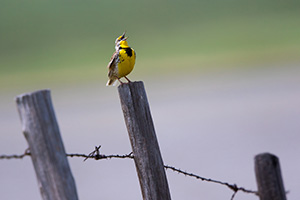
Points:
x=127 y=79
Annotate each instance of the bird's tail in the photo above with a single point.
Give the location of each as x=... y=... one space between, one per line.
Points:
x=111 y=82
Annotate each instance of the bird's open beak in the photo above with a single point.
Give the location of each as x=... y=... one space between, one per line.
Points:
x=123 y=35
x=125 y=38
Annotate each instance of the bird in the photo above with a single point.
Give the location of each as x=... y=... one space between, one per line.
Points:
x=121 y=62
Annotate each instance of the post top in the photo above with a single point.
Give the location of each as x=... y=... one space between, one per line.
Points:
x=24 y=95
x=130 y=84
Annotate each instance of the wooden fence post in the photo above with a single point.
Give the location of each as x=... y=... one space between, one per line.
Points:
x=147 y=157
x=268 y=177
x=48 y=155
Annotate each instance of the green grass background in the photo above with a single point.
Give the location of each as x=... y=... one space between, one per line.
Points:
x=68 y=42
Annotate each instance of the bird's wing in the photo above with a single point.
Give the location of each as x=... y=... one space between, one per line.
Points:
x=113 y=60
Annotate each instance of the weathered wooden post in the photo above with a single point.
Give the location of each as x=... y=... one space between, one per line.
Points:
x=147 y=157
x=46 y=147
x=268 y=177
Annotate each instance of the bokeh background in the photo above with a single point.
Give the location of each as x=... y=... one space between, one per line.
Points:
x=222 y=79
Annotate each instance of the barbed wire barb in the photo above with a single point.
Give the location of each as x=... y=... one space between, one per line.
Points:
x=233 y=195
x=97 y=156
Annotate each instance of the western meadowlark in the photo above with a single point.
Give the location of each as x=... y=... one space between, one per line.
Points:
x=121 y=62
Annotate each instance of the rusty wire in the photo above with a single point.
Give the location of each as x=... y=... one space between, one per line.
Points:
x=97 y=156
x=15 y=156
x=233 y=187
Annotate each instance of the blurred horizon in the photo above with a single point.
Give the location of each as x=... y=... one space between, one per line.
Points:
x=73 y=41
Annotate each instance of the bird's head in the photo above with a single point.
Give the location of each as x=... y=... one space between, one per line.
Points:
x=121 y=41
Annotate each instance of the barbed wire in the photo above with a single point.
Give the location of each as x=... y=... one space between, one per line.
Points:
x=233 y=187
x=15 y=156
x=97 y=156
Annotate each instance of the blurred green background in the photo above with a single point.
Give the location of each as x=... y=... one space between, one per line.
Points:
x=68 y=42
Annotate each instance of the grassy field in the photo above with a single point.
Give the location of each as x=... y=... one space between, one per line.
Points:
x=72 y=41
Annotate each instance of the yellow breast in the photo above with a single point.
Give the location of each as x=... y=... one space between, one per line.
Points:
x=126 y=61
